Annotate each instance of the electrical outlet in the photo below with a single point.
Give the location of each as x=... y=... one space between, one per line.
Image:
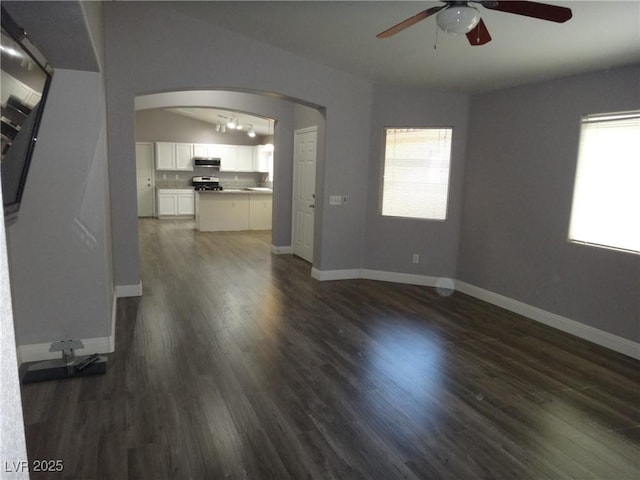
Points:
x=416 y=258
x=335 y=200
x=344 y=200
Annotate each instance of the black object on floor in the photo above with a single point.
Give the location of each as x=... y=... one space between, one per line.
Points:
x=57 y=369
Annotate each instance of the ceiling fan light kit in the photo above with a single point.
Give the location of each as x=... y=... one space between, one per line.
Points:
x=461 y=18
x=458 y=19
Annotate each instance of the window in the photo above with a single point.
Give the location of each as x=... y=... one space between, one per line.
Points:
x=415 y=180
x=606 y=196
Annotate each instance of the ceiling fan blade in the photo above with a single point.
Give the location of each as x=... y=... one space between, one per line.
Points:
x=542 y=11
x=410 y=21
x=479 y=35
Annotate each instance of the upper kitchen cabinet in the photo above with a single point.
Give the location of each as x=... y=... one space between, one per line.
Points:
x=238 y=159
x=233 y=158
x=244 y=159
x=262 y=159
x=223 y=152
x=174 y=156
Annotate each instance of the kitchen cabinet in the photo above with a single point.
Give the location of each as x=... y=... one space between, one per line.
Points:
x=223 y=152
x=233 y=158
x=185 y=201
x=260 y=211
x=200 y=150
x=241 y=160
x=233 y=211
x=164 y=156
x=261 y=159
x=222 y=212
x=244 y=159
x=175 y=202
x=226 y=153
x=174 y=156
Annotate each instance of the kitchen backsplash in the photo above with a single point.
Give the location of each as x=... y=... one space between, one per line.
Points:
x=229 y=180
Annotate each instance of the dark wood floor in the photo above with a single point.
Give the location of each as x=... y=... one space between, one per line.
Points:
x=236 y=364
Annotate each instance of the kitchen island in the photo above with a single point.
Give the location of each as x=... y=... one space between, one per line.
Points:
x=234 y=210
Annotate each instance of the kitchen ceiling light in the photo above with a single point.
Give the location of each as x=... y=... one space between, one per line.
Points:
x=232 y=123
x=458 y=19
x=251 y=132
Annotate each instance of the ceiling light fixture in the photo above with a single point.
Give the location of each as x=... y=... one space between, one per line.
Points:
x=232 y=123
x=251 y=132
x=458 y=19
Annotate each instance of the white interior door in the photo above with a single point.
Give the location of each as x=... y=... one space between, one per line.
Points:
x=304 y=191
x=144 y=176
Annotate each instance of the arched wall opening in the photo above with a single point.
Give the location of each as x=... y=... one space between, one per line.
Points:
x=177 y=52
x=288 y=114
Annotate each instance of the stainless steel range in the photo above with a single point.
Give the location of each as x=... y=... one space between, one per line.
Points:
x=206 y=183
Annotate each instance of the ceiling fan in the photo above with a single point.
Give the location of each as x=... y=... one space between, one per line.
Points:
x=464 y=18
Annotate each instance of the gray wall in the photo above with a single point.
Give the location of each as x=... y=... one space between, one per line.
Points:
x=159 y=125
x=147 y=60
x=59 y=246
x=521 y=163
x=391 y=242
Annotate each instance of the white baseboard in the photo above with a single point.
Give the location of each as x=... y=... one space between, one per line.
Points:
x=40 y=351
x=382 y=276
x=114 y=314
x=281 y=250
x=327 y=275
x=573 y=327
x=395 y=277
x=594 y=335
x=129 y=290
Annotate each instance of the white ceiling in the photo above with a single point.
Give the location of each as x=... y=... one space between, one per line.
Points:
x=262 y=126
x=341 y=34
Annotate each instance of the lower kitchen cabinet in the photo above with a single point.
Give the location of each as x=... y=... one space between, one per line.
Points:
x=175 y=202
x=222 y=212
x=260 y=211
x=227 y=211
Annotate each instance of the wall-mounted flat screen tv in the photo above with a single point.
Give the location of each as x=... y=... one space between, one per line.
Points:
x=24 y=84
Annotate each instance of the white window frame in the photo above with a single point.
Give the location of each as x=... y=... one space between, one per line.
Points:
x=431 y=171
x=605 y=211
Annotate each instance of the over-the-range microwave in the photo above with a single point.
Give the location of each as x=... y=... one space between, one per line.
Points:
x=206 y=162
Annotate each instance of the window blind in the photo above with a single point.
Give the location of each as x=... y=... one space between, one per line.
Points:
x=606 y=197
x=416 y=172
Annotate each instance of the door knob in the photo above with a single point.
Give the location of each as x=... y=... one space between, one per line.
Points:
x=312 y=206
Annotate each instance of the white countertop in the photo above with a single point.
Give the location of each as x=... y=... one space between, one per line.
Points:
x=236 y=191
